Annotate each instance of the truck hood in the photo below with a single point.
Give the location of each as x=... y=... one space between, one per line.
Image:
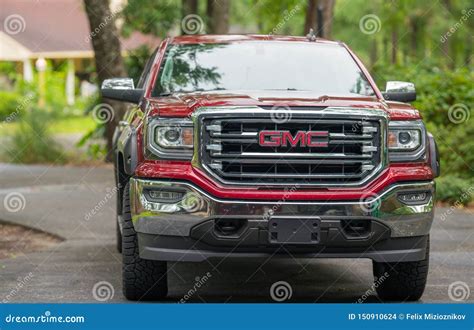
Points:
x=183 y=105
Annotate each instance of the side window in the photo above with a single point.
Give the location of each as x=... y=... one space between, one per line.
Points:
x=146 y=70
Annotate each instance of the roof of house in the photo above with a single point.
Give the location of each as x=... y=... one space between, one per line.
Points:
x=51 y=28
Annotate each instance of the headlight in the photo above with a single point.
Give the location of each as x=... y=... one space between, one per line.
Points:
x=406 y=141
x=171 y=138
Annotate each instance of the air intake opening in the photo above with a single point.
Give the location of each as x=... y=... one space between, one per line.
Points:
x=356 y=228
x=229 y=227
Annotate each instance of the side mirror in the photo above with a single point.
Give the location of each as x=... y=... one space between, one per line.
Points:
x=121 y=89
x=399 y=91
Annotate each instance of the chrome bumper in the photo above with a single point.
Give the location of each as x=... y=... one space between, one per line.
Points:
x=178 y=218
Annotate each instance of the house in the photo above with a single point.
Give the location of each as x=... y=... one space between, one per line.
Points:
x=32 y=31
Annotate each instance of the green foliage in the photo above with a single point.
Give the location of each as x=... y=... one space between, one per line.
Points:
x=151 y=16
x=445 y=99
x=136 y=61
x=454 y=190
x=32 y=142
x=12 y=106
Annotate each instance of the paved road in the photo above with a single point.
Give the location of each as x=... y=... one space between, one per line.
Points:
x=61 y=201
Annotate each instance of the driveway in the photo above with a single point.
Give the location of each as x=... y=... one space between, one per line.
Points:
x=78 y=205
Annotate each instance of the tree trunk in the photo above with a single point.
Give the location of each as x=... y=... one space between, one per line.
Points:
x=108 y=59
x=446 y=45
x=373 y=53
x=219 y=19
x=328 y=13
x=188 y=7
x=209 y=11
x=414 y=36
x=394 y=45
x=311 y=21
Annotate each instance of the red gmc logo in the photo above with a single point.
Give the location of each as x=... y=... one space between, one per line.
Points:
x=285 y=138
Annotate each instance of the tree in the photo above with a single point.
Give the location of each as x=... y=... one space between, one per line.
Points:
x=108 y=58
x=326 y=8
x=189 y=7
x=310 y=21
x=219 y=16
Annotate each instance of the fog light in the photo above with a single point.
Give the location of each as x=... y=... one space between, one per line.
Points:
x=414 y=198
x=164 y=196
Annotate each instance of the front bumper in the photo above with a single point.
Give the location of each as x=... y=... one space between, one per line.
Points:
x=188 y=229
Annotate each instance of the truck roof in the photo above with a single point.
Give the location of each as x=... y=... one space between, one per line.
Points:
x=229 y=38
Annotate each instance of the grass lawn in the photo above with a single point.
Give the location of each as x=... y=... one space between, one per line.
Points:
x=60 y=126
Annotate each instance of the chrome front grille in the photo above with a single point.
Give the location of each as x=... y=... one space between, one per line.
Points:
x=352 y=150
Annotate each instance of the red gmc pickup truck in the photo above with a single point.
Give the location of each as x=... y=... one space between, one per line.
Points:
x=247 y=146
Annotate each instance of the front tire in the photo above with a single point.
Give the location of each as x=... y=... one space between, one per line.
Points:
x=142 y=279
x=401 y=281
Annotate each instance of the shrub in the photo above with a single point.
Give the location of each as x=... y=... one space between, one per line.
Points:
x=454 y=190
x=12 y=105
x=32 y=142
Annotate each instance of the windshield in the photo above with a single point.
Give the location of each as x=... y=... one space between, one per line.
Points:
x=326 y=69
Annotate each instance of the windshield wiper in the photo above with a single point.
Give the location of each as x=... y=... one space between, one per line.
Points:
x=291 y=89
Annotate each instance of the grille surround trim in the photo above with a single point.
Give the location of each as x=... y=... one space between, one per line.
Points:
x=326 y=115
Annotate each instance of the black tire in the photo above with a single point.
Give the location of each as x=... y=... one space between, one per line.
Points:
x=402 y=281
x=118 y=236
x=142 y=279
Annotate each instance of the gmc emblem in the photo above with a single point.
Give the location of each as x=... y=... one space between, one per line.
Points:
x=285 y=138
